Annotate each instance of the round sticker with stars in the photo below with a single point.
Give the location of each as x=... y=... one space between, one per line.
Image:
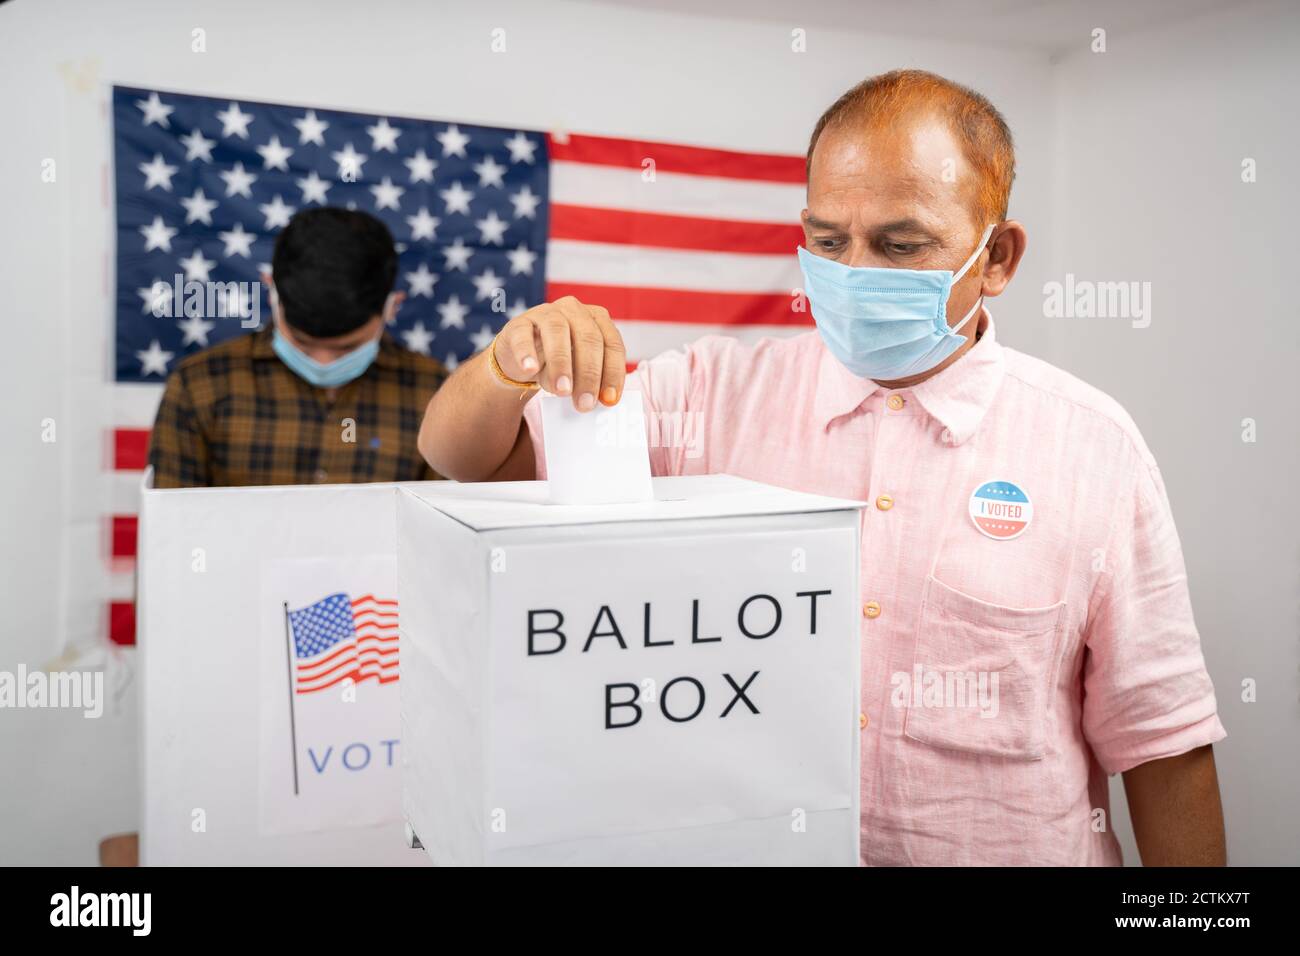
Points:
x=1001 y=509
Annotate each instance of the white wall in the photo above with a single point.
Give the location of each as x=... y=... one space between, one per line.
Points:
x=1151 y=137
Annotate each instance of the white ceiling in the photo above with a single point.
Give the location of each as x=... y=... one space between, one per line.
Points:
x=1049 y=26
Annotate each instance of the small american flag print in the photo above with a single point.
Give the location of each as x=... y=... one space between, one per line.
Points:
x=339 y=638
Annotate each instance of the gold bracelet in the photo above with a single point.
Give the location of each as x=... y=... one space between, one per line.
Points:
x=501 y=375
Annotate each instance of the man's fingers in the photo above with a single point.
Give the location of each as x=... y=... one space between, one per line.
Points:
x=516 y=353
x=614 y=365
x=588 y=349
x=567 y=348
x=557 y=370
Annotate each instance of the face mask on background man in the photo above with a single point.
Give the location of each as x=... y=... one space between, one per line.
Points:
x=332 y=374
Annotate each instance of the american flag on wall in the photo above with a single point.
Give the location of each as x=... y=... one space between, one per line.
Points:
x=676 y=241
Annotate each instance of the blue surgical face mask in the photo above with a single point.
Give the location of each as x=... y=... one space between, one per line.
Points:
x=885 y=324
x=324 y=374
x=333 y=374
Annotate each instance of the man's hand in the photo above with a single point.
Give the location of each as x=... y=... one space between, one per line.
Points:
x=1176 y=812
x=569 y=349
x=473 y=428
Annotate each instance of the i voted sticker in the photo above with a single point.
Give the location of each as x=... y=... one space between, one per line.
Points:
x=1001 y=509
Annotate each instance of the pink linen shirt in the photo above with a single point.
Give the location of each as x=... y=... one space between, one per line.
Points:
x=1083 y=618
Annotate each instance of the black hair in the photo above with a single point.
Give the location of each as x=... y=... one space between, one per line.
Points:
x=333 y=270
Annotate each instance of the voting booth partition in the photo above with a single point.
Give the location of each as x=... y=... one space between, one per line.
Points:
x=267 y=638
x=672 y=681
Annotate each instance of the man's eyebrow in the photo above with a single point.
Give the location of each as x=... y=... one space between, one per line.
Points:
x=816 y=223
x=907 y=224
x=903 y=225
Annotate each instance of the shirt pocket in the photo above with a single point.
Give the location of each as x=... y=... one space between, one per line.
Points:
x=987 y=674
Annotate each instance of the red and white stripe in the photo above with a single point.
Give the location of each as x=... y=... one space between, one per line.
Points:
x=125 y=454
x=372 y=654
x=706 y=244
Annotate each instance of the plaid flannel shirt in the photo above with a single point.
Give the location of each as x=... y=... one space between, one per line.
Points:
x=235 y=414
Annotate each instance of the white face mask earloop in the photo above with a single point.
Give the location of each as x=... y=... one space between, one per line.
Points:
x=962 y=271
x=390 y=309
x=984 y=239
x=273 y=298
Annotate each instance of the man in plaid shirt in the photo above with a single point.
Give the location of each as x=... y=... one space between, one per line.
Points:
x=321 y=395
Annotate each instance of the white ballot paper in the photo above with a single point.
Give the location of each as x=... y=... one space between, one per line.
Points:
x=596 y=457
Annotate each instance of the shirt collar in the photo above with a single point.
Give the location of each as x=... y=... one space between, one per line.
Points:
x=958 y=397
x=387 y=357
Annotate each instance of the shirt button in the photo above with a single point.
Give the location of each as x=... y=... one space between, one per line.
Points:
x=895 y=402
x=884 y=502
x=871 y=609
x=862 y=721
x=320 y=475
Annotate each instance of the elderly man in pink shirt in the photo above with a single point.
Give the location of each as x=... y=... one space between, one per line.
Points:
x=1018 y=527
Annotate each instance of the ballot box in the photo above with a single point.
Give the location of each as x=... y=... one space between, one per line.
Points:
x=673 y=681
x=269 y=674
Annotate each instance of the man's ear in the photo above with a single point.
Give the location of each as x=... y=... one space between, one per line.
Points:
x=392 y=305
x=1006 y=250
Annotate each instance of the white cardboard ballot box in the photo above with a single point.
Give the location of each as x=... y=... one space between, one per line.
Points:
x=667 y=682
